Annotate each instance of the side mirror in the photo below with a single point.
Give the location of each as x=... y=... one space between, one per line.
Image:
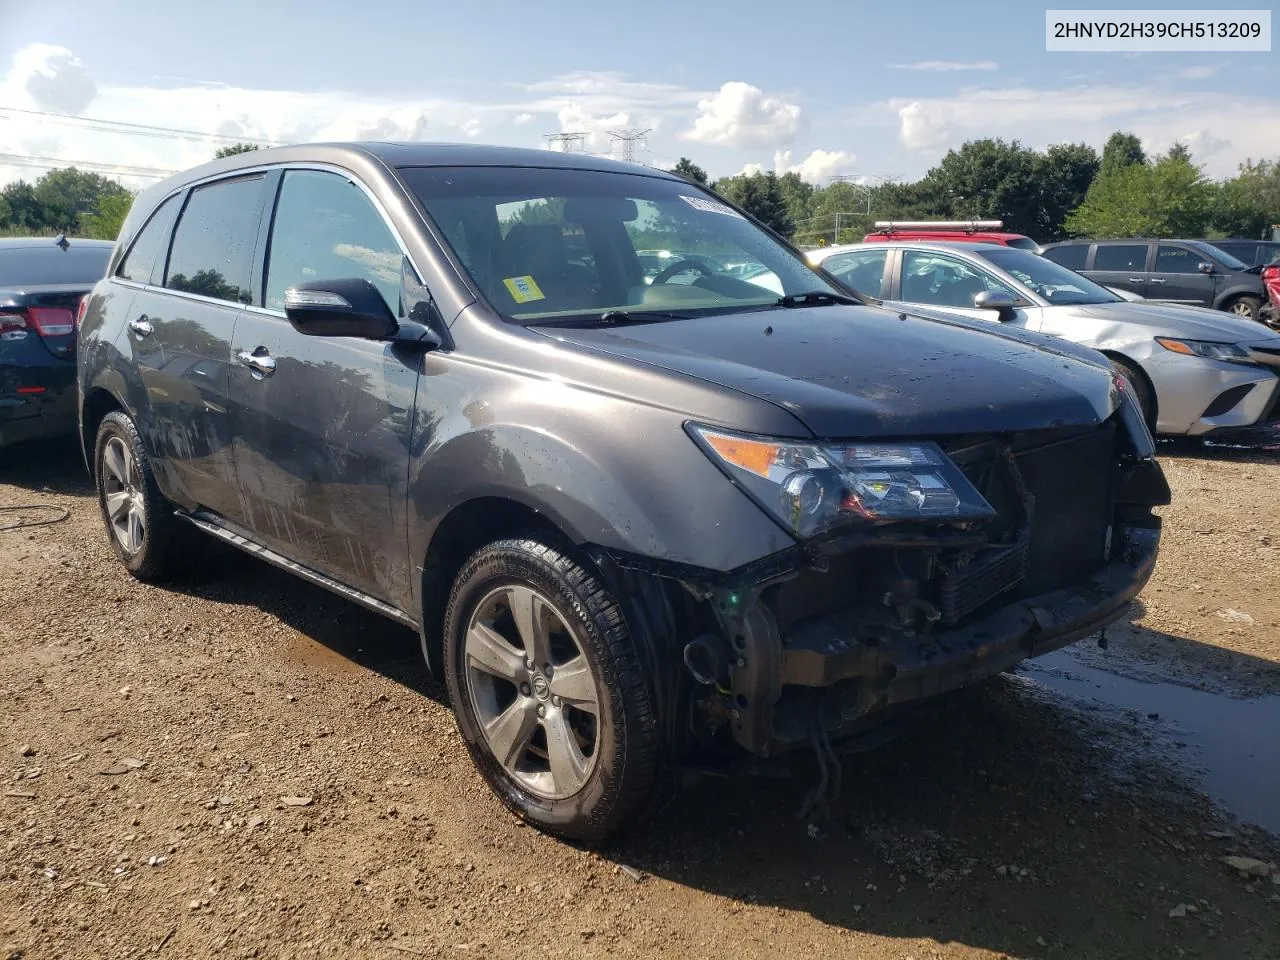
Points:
x=1000 y=301
x=1204 y=266
x=340 y=308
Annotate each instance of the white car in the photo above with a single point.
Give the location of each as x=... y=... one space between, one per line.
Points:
x=1195 y=370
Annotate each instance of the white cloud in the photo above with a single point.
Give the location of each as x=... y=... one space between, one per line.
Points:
x=947 y=66
x=1197 y=73
x=740 y=115
x=1041 y=116
x=521 y=119
x=751 y=169
x=45 y=77
x=472 y=127
x=817 y=167
x=922 y=127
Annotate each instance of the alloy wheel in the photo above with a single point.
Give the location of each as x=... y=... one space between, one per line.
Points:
x=1242 y=309
x=122 y=495
x=533 y=691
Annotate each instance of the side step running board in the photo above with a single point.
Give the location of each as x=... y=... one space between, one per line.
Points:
x=211 y=526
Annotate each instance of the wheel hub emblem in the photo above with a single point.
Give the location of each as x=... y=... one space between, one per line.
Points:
x=541 y=688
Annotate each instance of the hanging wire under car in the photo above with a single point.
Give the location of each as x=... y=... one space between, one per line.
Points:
x=59 y=514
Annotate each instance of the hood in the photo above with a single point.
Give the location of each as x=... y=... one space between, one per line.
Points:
x=1171 y=319
x=859 y=371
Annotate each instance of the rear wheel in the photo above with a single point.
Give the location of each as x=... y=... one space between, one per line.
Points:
x=1245 y=307
x=548 y=692
x=140 y=522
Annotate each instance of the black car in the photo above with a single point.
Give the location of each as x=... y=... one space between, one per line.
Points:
x=1190 y=272
x=1253 y=253
x=42 y=281
x=635 y=524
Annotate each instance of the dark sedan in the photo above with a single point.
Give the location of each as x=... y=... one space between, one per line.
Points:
x=42 y=281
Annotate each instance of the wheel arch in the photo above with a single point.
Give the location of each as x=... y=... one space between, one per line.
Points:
x=1132 y=364
x=97 y=403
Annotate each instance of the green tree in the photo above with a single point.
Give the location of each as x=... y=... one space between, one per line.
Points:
x=67 y=195
x=235 y=148
x=1248 y=205
x=760 y=194
x=797 y=194
x=104 y=221
x=1121 y=150
x=987 y=179
x=1168 y=198
x=1063 y=175
x=26 y=210
x=690 y=171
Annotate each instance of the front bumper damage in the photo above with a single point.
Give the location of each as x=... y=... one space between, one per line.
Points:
x=833 y=640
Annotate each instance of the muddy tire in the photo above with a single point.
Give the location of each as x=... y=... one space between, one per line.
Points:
x=548 y=692
x=150 y=541
x=1141 y=390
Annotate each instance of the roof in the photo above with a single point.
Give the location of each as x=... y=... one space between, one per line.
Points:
x=944 y=232
x=26 y=243
x=820 y=254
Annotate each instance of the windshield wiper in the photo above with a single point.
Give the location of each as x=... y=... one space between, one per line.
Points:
x=813 y=298
x=612 y=318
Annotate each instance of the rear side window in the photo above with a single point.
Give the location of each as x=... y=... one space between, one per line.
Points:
x=1072 y=256
x=327 y=229
x=1177 y=260
x=1121 y=256
x=861 y=269
x=149 y=248
x=213 y=246
x=78 y=264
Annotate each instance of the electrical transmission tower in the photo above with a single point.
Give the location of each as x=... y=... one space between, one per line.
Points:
x=626 y=139
x=567 y=142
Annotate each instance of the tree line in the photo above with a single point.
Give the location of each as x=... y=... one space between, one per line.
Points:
x=1065 y=190
x=1068 y=190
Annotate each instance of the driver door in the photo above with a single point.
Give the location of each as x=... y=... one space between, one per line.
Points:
x=943 y=282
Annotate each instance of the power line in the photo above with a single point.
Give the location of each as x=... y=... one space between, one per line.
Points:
x=628 y=138
x=92 y=166
x=137 y=129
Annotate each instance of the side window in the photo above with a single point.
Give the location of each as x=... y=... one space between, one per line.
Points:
x=862 y=269
x=212 y=251
x=1072 y=255
x=150 y=245
x=325 y=228
x=1177 y=260
x=1121 y=257
x=944 y=282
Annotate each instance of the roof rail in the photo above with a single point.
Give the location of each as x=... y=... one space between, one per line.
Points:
x=968 y=226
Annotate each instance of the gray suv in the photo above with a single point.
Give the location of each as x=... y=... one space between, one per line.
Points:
x=1189 y=272
x=639 y=521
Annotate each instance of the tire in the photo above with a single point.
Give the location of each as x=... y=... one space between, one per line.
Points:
x=1245 y=307
x=1141 y=390
x=150 y=542
x=572 y=769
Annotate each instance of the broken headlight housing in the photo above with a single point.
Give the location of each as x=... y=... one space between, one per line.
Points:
x=811 y=488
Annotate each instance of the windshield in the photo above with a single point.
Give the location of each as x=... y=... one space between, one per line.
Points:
x=1224 y=258
x=1024 y=243
x=1054 y=283
x=547 y=243
x=52 y=265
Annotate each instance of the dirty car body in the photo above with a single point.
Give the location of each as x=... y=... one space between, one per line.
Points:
x=809 y=511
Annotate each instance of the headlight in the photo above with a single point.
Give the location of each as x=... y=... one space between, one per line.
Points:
x=810 y=488
x=1205 y=348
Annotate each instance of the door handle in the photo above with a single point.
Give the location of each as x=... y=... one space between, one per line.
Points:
x=142 y=327
x=260 y=364
x=1157 y=280
x=1139 y=280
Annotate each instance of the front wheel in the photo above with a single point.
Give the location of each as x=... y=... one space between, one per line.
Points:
x=1246 y=308
x=1141 y=391
x=548 y=692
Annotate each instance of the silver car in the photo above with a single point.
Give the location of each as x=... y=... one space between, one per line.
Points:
x=1195 y=370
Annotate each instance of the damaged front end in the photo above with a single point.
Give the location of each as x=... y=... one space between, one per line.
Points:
x=1050 y=534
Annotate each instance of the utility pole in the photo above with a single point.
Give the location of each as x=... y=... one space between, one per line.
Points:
x=575 y=142
x=626 y=139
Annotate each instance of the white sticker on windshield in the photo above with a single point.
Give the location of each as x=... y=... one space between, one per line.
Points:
x=710 y=206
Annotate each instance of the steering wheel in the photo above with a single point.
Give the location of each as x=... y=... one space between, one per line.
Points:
x=680 y=266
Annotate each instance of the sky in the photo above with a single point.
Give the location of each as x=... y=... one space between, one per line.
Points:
x=826 y=88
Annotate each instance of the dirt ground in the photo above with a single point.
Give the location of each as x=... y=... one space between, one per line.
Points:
x=148 y=735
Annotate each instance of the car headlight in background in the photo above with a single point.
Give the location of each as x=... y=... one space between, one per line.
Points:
x=1206 y=348
x=811 y=488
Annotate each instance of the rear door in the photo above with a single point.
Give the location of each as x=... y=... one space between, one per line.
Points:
x=1177 y=277
x=179 y=333
x=322 y=424
x=1121 y=265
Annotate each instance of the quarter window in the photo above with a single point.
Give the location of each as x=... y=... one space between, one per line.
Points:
x=213 y=246
x=150 y=246
x=1121 y=256
x=944 y=281
x=325 y=228
x=862 y=269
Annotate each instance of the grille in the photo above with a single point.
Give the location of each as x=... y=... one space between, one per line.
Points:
x=962 y=592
